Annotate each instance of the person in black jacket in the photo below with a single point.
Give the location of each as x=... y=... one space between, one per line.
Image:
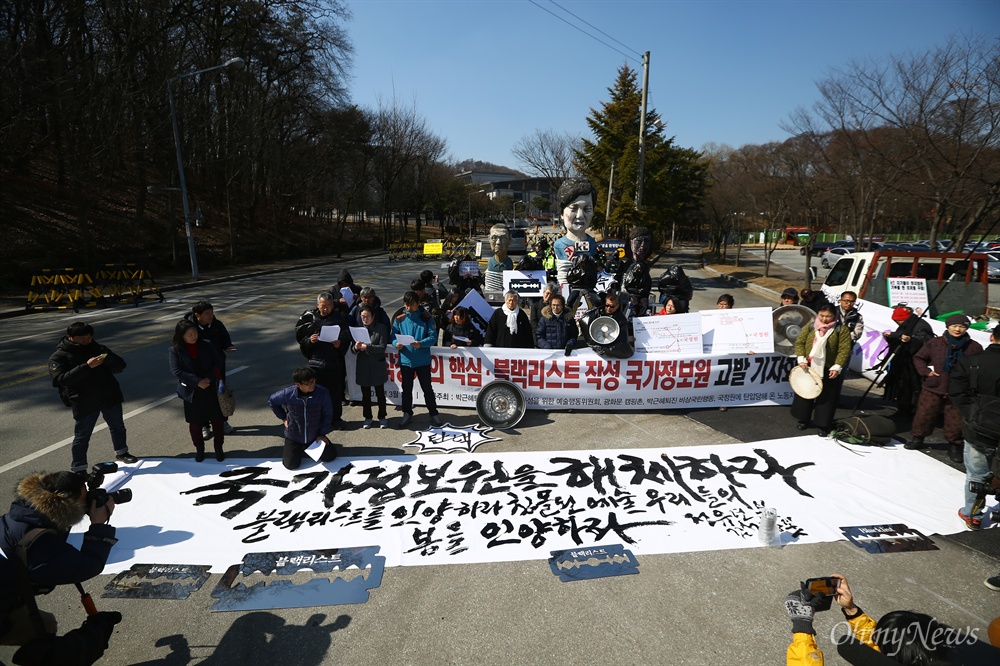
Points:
x=974 y=378
x=461 y=332
x=326 y=358
x=509 y=326
x=344 y=281
x=47 y=506
x=213 y=330
x=902 y=382
x=196 y=366
x=84 y=372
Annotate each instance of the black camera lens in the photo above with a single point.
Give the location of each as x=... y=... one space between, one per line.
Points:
x=121 y=496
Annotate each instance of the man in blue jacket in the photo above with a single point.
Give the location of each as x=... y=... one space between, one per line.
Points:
x=415 y=357
x=307 y=412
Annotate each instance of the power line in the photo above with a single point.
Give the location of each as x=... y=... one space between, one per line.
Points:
x=596 y=28
x=581 y=29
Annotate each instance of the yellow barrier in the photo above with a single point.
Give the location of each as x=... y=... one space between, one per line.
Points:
x=65 y=288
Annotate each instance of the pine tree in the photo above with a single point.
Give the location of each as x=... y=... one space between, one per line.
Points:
x=675 y=178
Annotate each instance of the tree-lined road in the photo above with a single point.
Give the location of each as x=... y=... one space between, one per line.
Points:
x=685 y=608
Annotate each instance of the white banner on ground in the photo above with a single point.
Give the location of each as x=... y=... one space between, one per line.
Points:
x=551 y=380
x=470 y=508
x=737 y=331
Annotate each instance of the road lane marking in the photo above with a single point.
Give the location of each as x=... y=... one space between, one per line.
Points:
x=103 y=426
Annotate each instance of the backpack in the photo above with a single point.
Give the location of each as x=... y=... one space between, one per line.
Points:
x=864 y=429
x=984 y=410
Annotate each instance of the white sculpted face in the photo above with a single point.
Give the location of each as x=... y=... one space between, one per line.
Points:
x=577 y=215
x=499 y=241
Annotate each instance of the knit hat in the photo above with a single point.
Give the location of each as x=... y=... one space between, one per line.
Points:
x=957 y=319
x=900 y=314
x=790 y=293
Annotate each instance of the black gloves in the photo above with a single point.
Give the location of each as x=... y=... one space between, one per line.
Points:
x=569 y=347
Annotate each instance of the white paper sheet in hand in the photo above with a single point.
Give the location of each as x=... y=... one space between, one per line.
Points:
x=360 y=334
x=405 y=339
x=329 y=333
x=315 y=450
x=348 y=295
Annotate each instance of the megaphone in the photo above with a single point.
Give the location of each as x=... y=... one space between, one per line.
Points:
x=789 y=321
x=606 y=337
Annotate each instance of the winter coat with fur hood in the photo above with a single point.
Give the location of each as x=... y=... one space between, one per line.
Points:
x=555 y=332
x=52 y=561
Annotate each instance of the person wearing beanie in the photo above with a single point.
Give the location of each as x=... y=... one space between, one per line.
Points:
x=902 y=383
x=934 y=363
x=975 y=381
x=790 y=296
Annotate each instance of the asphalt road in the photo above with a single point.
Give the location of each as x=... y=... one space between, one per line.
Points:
x=688 y=608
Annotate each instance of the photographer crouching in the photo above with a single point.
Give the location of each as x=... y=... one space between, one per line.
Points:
x=33 y=542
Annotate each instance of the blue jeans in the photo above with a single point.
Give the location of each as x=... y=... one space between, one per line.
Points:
x=977 y=468
x=84 y=428
x=423 y=374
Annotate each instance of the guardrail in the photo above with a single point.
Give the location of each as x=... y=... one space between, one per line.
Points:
x=65 y=288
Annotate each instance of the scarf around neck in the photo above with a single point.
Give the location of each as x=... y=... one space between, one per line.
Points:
x=511 y=318
x=956 y=349
x=821 y=328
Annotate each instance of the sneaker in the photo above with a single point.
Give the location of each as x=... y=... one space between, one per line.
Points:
x=406 y=420
x=206 y=433
x=228 y=429
x=367 y=424
x=993 y=583
x=971 y=523
x=383 y=424
x=436 y=420
x=127 y=458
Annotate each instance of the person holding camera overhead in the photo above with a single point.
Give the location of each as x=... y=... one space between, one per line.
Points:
x=195 y=364
x=34 y=530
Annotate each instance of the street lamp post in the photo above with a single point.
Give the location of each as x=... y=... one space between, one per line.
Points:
x=232 y=62
x=471 y=234
x=513 y=220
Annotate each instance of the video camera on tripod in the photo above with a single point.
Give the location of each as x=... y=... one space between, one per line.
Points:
x=95 y=479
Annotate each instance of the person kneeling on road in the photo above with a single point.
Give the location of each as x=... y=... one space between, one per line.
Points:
x=33 y=538
x=307 y=412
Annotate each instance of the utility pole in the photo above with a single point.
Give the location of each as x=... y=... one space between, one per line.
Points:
x=642 y=131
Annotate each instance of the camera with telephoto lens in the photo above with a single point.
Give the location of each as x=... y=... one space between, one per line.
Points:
x=97 y=494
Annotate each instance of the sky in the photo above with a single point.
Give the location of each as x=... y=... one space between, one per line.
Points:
x=486 y=73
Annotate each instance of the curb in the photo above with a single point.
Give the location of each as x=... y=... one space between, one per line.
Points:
x=761 y=291
x=8 y=314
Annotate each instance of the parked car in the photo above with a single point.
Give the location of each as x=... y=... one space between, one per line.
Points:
x=831 y=256
x=518 y=241
x=993 y=271
x=818 y=248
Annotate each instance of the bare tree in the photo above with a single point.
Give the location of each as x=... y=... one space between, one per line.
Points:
x=547 y=153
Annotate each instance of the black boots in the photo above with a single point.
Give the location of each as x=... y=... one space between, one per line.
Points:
x=956 y=452
x=199 y=453
x=219 y=455
x=915 y=444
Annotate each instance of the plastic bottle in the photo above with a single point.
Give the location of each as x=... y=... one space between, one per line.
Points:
x=767 y=532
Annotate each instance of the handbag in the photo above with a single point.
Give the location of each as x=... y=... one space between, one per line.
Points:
x=227 y=401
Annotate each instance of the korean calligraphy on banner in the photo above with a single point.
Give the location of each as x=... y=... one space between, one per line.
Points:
x=551 y=380
x=467 y=508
